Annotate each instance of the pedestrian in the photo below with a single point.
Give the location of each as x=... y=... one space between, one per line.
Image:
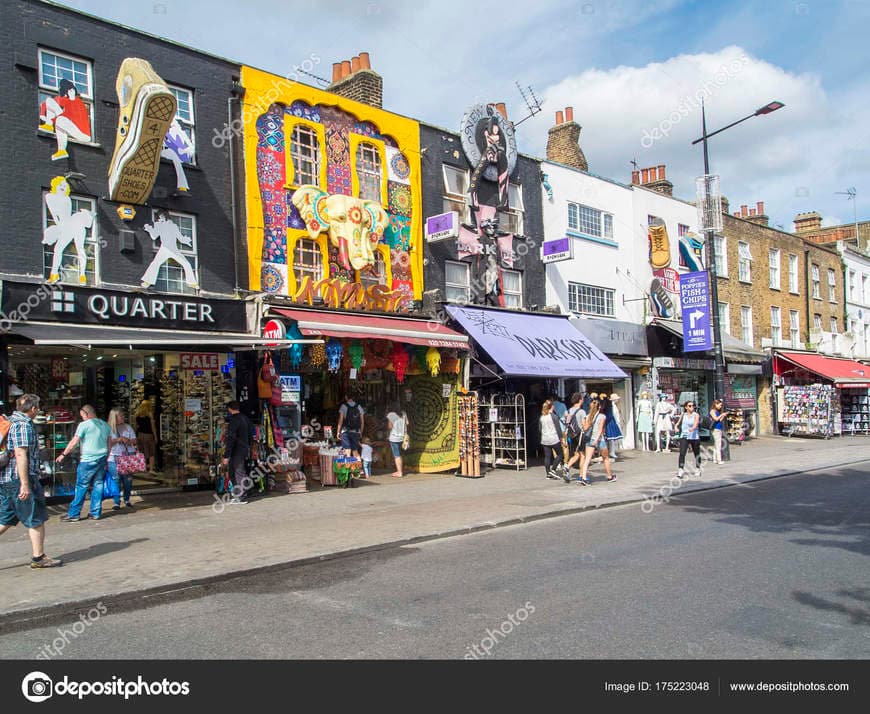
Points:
x=559 y=406
x=237 y=450
x=551 y=440
x=22 y=499
x=594 y=424
x=121 y=439
x=718 y=415
x=366 y=452
x=146 y=431
x=93 y=435
x=688 y=424
x=574 y=432
x=351 y=424
x=397 y=421
x=613 y=427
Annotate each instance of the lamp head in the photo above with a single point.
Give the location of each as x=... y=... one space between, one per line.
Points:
x=768 y=108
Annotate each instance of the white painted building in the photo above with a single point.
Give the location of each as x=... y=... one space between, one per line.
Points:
x=856 y=340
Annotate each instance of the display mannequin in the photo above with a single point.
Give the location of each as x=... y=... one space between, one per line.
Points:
x=663 y=422
x=644 y=419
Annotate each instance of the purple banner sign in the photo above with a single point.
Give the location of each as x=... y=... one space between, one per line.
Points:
x=695 y=304
x=442 y=226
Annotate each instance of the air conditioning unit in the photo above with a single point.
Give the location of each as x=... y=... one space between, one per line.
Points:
x=766 y=342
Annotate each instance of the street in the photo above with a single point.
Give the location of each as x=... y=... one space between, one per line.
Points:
x=772 y=569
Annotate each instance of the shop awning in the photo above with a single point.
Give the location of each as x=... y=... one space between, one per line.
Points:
x=525 y=344
x=53 y=333
x=733 y=349
x=430 y=333
x=842 y=372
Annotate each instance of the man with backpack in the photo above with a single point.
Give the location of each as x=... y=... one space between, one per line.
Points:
x=237 y=450
x=574 y=432
x=351 y=423
x=21 y=496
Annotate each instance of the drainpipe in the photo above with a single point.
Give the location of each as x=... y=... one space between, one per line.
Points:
x=808 y=289
x=232 y=149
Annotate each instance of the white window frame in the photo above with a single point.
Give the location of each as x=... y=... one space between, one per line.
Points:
x=817 y=322
x=832 y=285
x=746 y=324
x=302 y=268
x=744 y=262
x=794 y=328
x=773 y=258
x=46 y=89
x=369 y=167
x=70 y=260
x=171 y=273
x=852 y=276
x=725 y=316
x=720 y=245
x=835 y=328
x=865 y=286
x=452 y=200
x=516 y=210
x=512 y=298
x=589 y=221
x=776 y=326
x=187 y=124
x=302 y=154
x=793 y=274
x=584 y=299
x=817 y=295
x=451 y=287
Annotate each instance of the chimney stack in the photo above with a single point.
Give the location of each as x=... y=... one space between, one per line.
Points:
x=563 y=141
x=355 y=79
x=807 y=223
x=654 y=178
x=635 y=177
x=756 y=215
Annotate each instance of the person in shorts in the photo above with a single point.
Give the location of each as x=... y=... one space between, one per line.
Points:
x=351 y=423
x=22 y=499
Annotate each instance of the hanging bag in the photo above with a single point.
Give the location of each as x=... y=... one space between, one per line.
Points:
x=406 y=439
x=266 y=378
x=111 y=486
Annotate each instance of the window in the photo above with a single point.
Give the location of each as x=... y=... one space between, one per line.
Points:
x=834 y=327
x=793 y=274
x=865 y=296
x=775 y=327
x=832 y=285
x=590 y=221
x=852 y=295
x=368 y=169
x=794 y=328
x=68 y=264
x=307 y=260
x=725 y=317
x=56 y=68
x=720 y=246
x=746 y=324
x=305 y=153
x=456 y=282
x=173 y=276
x=590 y=300
x=374 y=274
x=773 y=261
x=514 y=216
x=185 y=117
x=512 y=284
x=744 y=262
x=815 y=275
x=456 y=191
x=817 y=322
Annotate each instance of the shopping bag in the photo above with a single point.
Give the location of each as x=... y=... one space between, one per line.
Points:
x=132 y=462
x=111 y=486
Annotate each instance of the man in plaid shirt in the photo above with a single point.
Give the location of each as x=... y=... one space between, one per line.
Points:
x=21 y=496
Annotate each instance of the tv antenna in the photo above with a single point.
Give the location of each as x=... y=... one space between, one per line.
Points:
x=533 y=104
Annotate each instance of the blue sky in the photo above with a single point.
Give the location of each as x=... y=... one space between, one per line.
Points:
x=626 y=66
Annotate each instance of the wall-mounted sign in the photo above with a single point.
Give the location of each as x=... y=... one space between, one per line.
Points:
x=274 y=330
x=171 y=238
x=695 y=305
x=442 y=226
x=337 y=293
x=669 y=279
x=126 y=212
x=67 y=229
x=552 y=251
x=472 y=132
x=683 y=363
x=200 y=360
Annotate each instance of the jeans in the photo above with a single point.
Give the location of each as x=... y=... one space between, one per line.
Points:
x=126 y=482
x=684 y=447
x=89 y=474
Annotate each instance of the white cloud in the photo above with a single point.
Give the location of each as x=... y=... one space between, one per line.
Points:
x=793 y=159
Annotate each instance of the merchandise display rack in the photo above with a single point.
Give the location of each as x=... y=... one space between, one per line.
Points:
x=811 y=410
x=503 y=438
x=469 y=436
x=856 y=410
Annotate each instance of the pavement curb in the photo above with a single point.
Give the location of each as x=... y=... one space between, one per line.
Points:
x=45 y=615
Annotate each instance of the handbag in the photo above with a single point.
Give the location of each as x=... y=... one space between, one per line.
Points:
x=132 y=462
x=266 y=378
x=406 y=439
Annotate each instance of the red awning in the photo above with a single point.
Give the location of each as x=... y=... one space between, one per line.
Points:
x=842 y=372
x=429 y=333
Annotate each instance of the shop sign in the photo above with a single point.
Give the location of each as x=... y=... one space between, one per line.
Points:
x=59 y=369
x=274 y=330
x=684 y=363
x=695 y=306
x=339 y=294
x=740 y=391
x=442 y=226
x=200 y=360
x=63 y=303
x=669 y=279
x=552 y=251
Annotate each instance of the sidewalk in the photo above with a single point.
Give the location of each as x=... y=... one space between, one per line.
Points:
x=171 y=541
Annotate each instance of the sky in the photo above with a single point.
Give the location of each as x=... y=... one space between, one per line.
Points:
x=633 y=70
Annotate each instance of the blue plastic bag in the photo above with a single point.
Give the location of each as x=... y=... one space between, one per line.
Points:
x=111 y=486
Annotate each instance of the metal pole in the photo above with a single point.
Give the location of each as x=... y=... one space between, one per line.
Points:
x=718 y=355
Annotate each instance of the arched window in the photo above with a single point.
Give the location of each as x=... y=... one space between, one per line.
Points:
x=305 y=153
x=368 y=171
x=307 y=260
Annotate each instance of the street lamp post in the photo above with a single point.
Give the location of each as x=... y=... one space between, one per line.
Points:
x=709 y=231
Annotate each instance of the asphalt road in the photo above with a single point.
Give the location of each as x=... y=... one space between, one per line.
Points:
x=772 y=569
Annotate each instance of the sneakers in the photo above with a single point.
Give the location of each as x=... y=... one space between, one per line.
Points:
x=553 y=475
x=237 y=502
x=147 y=108
x=659 y=245
x=67 y=519
x=116 y=507
x=60 y=154
x=661 y=301
x=46 y=562
x=680 y=473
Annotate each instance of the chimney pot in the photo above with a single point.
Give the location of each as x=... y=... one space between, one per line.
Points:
x=364 y=60
x=743 y=210
x=737 y=213
x=345 y=68
x=559 y=118
x=760 y=205
x=661 y=172
x=336 y=71
x=645 y=173
x=354 y=64
x=569 y=113
x=635 y=177
x=751 y=211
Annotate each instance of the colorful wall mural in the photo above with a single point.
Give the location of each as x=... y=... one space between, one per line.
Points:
x=306 y=148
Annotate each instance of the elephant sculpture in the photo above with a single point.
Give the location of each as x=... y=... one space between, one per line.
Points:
x=354 y=225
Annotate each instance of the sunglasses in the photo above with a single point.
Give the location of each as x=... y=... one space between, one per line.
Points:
x=690 y=405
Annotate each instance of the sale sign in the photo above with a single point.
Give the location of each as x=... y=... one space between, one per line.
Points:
x=200 y=360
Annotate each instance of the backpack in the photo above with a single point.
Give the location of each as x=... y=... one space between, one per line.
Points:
x=5 y=454
x=352 y=420
x=573 y=427
x=707 y=422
